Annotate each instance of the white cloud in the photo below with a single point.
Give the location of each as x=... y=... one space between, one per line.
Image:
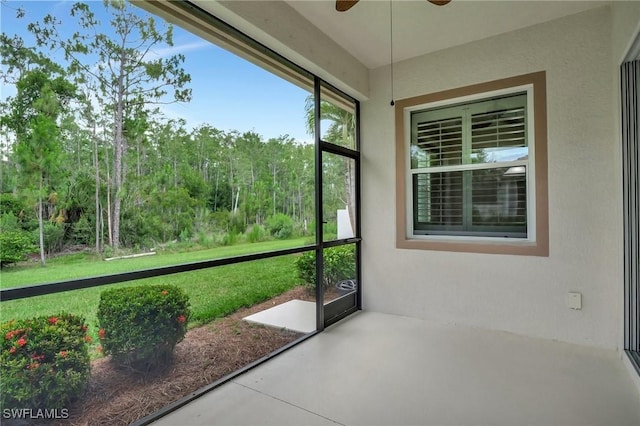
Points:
x=176 y=49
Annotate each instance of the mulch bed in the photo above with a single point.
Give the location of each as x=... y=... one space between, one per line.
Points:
x=207 y=353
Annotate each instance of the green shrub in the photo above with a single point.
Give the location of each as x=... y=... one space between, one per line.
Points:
x=229 y=238
x=185 y=235
x=256 y=234
x=220 y=220
x=140 y=326
x=83 y=231
x=139 y=227
x=9 y=203
x=205 y=239
x=280 y=226
x=9 y=222
x=306 y=266
x=339 y=264
x=44 y=362
x=53 y=234
x=236 y=223
x=14 y=246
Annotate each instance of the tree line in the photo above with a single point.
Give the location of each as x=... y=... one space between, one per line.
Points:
x=89 y=158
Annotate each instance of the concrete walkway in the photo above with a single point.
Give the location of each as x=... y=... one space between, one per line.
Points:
x=295 y=315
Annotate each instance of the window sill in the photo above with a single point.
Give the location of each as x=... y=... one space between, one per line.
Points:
x=520 y=247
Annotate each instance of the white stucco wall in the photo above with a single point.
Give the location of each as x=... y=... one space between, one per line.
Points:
x=520 y=294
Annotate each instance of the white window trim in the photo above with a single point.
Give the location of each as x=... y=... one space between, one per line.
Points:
x=531 y=177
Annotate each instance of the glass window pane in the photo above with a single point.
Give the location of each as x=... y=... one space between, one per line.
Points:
x=499 y=199
x=436 y=143
x=472 y=202
x=497 y=155
x=438 y=200
x=500 y=135
x=462 y=199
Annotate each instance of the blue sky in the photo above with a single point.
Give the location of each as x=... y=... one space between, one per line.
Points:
x=229 y=93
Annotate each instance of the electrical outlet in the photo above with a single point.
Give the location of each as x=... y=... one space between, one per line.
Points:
x=574 y=300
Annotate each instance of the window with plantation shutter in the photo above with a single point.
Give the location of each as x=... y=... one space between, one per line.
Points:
x=469 y=168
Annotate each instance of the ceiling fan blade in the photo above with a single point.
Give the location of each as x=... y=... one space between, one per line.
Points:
x=344 y=5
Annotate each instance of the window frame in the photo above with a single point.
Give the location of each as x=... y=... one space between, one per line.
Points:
x=465 y=111
x=537 y=241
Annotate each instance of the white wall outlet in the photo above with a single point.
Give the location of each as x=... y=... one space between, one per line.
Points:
x=574 y=300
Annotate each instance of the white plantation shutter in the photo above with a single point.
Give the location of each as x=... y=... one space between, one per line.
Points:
x=469 y=168
x=498 y=199
x=439 y=196
x=498 y=129
x=441 y=142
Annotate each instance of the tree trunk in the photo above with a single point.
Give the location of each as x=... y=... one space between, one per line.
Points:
x=350 y=184
x=101 y=238
x=235 y=205
x=41 y=225
x=175 y=172
x=350 y=187
x=109 y=218
x=97 y=190
x=231 y=183
x=119 y=152
x=138 y=167
x=215 y=198
x=274 y=189
x=300 y=205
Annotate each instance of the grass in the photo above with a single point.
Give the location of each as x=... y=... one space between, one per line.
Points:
x=84 y=265
x=213 y=293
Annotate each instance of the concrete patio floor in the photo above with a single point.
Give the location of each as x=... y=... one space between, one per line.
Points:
x=378 y=369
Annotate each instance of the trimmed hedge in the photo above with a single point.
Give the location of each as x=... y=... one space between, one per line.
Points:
x=140 y=326
x=44 y=362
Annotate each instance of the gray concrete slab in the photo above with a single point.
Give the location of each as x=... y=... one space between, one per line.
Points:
x=295 y=315
x=238 y=405
x=377 y=369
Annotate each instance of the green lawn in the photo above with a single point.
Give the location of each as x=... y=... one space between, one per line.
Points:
x=85 y=265
x=213 y=292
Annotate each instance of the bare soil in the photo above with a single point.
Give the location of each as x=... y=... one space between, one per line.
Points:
x=207 y=353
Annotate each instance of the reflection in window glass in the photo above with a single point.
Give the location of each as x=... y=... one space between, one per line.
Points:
x=498 y=201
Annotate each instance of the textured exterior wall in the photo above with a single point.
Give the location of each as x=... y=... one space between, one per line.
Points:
x=520 y=294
